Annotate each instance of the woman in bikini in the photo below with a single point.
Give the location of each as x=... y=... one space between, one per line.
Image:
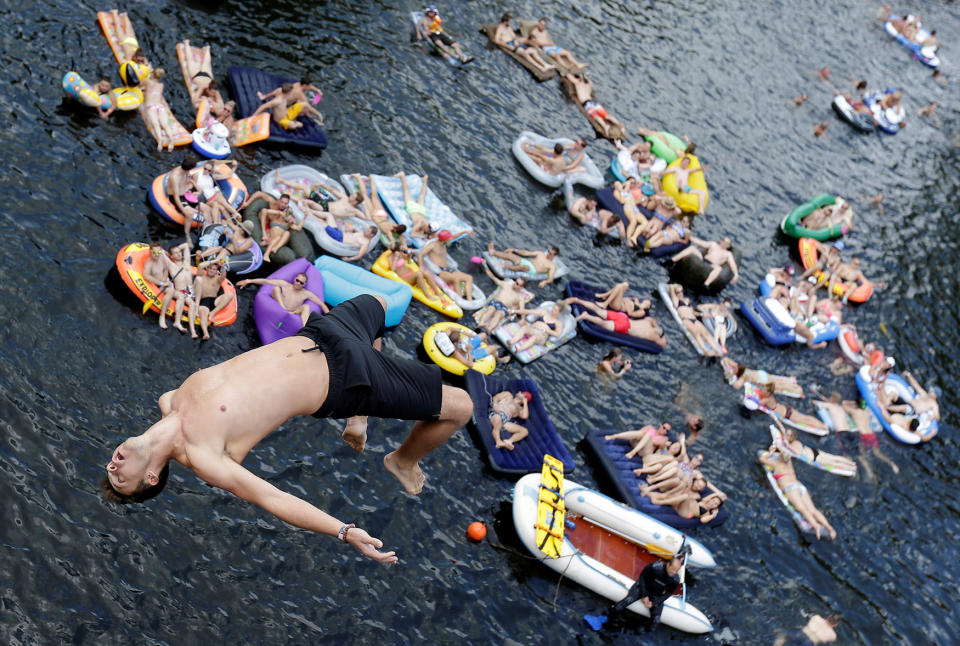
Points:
x=277 y=232
x=416 y=209
x=615 y=298
x=402 y=264
x=721 y=313
x=156 y=112
x=738 y=374
x=506 y=406
x=691 y=322
x=671 y=234
x=645 y=440
x=546 y=325
x=812 y=454
x=623 y=193
x=794 y=491
x=688 y=503
x=768 y=401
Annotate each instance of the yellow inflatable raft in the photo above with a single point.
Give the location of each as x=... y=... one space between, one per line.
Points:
x=440 y=301
x=450 y=363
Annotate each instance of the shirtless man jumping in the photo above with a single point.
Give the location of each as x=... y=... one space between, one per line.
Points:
x=331 y=368
x=292 y=296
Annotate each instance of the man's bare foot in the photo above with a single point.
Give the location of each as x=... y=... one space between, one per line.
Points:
x=193 y=334
x=163 y=323
x=206 y=336
x=508 y=445
x=355 y=433
x=411 y=478
x=180 y=328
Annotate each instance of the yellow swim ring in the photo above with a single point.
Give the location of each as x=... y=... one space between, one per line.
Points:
x=451 y=364
x=688 y=202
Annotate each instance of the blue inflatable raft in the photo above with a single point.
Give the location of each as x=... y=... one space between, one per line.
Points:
x=342 y=281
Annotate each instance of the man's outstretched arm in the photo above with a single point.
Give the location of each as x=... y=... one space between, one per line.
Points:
x=221 y=471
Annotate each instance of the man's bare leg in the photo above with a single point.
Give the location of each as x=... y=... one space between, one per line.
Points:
x=424 y=437
x=178 y=313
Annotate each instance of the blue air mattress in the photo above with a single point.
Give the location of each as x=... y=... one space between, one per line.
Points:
x=342 y=281
x=594 y=331
x=527 y=454
x=606 y=199
x=245 y=82
x=611 y=456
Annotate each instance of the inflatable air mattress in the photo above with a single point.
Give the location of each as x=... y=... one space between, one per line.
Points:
x=439 y=215
x=245 y=82
x=594 y=331
x=342 y=281
x=508 y=330
x=590 y=175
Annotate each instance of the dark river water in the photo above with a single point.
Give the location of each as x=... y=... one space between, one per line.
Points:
x=80 y=368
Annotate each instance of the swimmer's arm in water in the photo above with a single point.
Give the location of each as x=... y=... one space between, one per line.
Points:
x=221 y=471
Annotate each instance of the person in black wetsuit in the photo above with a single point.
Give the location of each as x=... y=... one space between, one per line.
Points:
x=656 y=583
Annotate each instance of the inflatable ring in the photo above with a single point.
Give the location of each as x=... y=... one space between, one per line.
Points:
x=451 y=364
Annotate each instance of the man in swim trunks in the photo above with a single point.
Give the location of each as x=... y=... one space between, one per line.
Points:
x=431 y=27
x=555 y=162
x=297 y=93
x=505 y=37
x=510 y=296
x=682 y=174
x=581 y=90
x=283 y=106
x=538 y=37
x=533 y=262
x=334 y=367
x=179 y=182
x=171 y=274
x=584 y=210
x=505 y=407
x=292 y=296
x=614 y=321
x=717 y=254
x=347 y=233
x=433 y=257
x=208 y=297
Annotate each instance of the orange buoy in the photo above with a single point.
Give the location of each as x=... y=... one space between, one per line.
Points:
x=477 y=531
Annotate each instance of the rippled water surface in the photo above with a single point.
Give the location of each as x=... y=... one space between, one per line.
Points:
x=80 y=368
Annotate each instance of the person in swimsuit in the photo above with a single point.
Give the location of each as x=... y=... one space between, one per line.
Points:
x=716 y=254
x=431 y=27
x=813 y=454
x=546 y=325
x=615 y=298
x=238 y=239
x=510 y=296
x=584 y=210
x=433 y=257
x=371 y=204
x=738 y=374
x=721 y=313
x=400 y=261
x=177 y=284
x=614 y=321
x=276 y=226
x=862 y=420
x=826 y=216
x=539 y=37
x=208 y=297
x=297 y=94
x=293 y=297
x=206 y=182
x=691 y=322
x=687 y=500
x=682 y=174
x=416 y=208
x=126 y=37
x=671 y=234
x=506 y=38
x=614 y=364
x=794 y=491
x=533 y=262
x=581 y=90
x=857 y=104
x=645 y=440
x=768 y=401
x=555 y=162
x=505 y=407
x=283 y=107
x=635 y=161
x=626 y=193
x=469 y=347
x=333 y=366
x=156 y=112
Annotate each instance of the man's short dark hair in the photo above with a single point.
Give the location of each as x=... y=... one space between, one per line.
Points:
x=691 y=148
x=144 y=493
x=288 y=196
x=914 y=424
x=189 y=162
x=286 y=87
x=506 y=17
x=555 y=250
x=558 y=148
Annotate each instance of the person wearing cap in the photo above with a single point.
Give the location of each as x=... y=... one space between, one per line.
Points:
x=682 y=173
x=433 y=257
x=505 y=407
x=208 y=296
x=505 y=37
x=431 y=27
x=717 y=254
x=292 y=296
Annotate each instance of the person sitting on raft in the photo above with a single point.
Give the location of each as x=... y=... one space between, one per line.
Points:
x=510 y=296
x=848 y=276
x=283 y=107
x=717 y=254
x=469 y=347
x=183 y=195
x=539 y=37
x=505 y=37
x=546 y=325
x=614 y=321
x=171 y=275
x=208 y=296
x=635 y=161
x=740 y=375
x=400 y=261
x=238 y=238
x=690 y=319
x=533 y=262
x=505 y=407
x=677 y=232
x=614 y=364
x=555 y=162
x=607 y=124
x=926 y=402
x=433 y=257
x=431 y=27
x=615 y=298
x=682 y=174
x=814 y=455
x=292 y=297
x=647 y=134
x=206 y=183
x=858 y=103
x=298 y=92
x=769 y=402
x=584 y=210
x=644 y=441
x=840 y=212
x=794 y=491
x=416 y=208
x=721 y=313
